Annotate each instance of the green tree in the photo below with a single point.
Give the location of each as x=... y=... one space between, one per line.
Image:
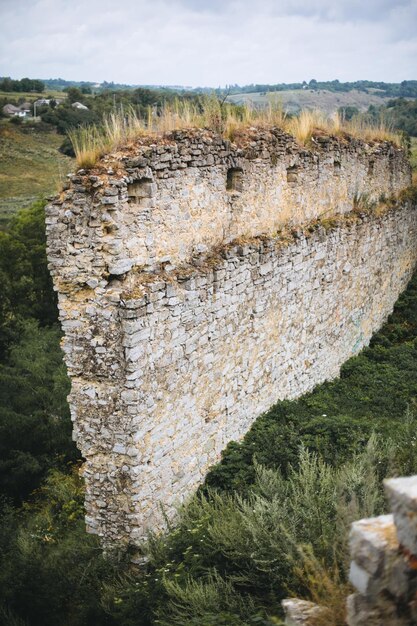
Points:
x=74 y=94
x=52 y=570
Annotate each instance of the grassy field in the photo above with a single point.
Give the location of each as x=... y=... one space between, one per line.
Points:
x=323 y=100
x=30 y=167
x=31 y=96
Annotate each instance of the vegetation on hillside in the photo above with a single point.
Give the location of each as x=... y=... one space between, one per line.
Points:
x=35 y=428
x=30 y=166
x=400 y=113
x=407 y=88
x=270 y=521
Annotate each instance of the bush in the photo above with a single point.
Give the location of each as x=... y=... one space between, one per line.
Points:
x=240 y=555
x=66 y=147
x=35 y=426
x=52 y=570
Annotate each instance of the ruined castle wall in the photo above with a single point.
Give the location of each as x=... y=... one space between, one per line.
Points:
x=170 y=364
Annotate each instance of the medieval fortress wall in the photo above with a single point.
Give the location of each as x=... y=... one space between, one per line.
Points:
x=197 y=287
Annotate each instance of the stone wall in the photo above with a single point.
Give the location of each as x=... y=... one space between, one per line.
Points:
x=176 y=340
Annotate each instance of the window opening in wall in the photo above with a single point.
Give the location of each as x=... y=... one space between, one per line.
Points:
x=371 y=166
x=292 y=174
x=337 y=167
x=140 y=189
x=234 y=180
x=109 y=229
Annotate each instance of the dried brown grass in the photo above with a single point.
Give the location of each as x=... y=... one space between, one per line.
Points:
x=325 y=587
x=90 y=143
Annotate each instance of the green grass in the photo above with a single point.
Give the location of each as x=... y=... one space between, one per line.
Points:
x=30 y=167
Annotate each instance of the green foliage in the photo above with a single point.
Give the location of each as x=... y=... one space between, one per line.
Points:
x=26 y=284
x=400 y=114
x=65 y=117
x=23 y=85
x=406 y=89
x=66 y=147
x=35 y=426
x=242 y=554
x=74 y=94
x=52 y=571
x=403 y=115
x=348 y=112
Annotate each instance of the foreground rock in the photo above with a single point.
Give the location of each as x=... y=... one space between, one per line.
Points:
x=384 y=562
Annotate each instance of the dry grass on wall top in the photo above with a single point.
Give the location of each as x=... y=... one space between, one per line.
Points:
x=92 y=142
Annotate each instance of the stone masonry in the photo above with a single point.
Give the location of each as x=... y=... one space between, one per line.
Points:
x=201 y=281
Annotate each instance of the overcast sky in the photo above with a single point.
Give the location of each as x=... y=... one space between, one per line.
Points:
x=209 y=42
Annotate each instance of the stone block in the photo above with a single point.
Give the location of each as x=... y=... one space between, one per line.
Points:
x=303 y=613
x=371 y=542
x=402 y=495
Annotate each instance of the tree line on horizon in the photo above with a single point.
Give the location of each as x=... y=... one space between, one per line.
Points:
x=405 y=89
x=7 y=84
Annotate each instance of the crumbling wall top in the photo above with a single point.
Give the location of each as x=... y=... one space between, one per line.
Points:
x=159 y=202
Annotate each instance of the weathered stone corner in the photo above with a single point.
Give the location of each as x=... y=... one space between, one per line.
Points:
x=384 y=562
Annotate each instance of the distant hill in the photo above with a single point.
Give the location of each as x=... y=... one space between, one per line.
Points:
x=405 y=89
x=30 y=167
x=328 y=101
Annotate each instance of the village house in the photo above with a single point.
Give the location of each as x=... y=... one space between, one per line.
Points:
x=79 y=106
x=23 y=110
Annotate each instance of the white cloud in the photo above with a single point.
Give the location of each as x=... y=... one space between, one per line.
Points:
x=195 y=42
